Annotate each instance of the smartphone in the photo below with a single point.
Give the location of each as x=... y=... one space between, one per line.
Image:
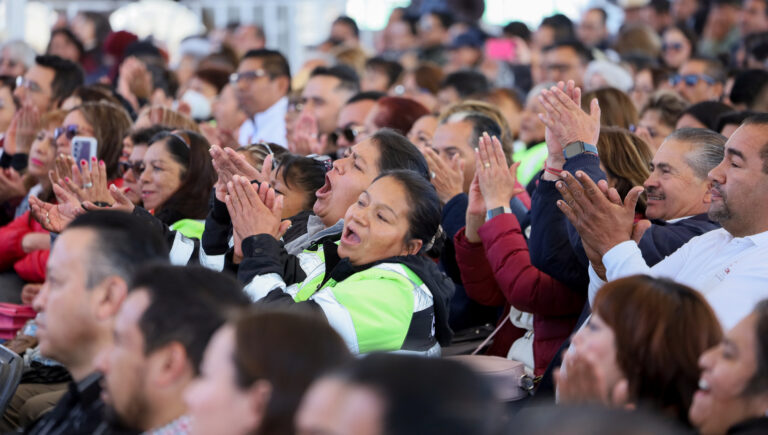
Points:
x=500 y=49
x=84 y=148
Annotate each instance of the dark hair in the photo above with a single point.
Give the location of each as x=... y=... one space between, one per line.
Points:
x=574 y=44
x=190 y=201
x=348 y=79
x=601 y=11
x=707 y=148
x=100 y=23
x=759 y=381
x=163 y=78
x=122 y=243
x=761 y=120
x=748 y=86
x=398 y=113
x=562 y=26
x=289 y=350
x=734 y=117
x=366 y=96
x=428 y=76
x=110 y=123
x=660 y=328
x=273 y=62
x=397 y=152
x=708 y=112
x=343 y=19
x=71 y=37
x=687 y=34
x=424 y=213
x=466 y=83
x=95 y=93
x=392 y=69
x=519 y=29
x=67 y=76
x=187 y=305
x=217 y=77
x=712 y=67
x=670 y=106
x=446 y=18
x=595 y=420
x=427 y=396
x=305 y=173
x=144 y=136
x=481 y=123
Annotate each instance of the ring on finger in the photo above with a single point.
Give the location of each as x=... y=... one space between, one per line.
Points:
x=487 y=165
x=432 y=174
x=87 y=185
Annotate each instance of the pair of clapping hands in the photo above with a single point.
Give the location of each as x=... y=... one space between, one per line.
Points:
x=254 y=208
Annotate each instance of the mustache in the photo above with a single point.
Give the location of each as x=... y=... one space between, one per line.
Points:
x=717 y=186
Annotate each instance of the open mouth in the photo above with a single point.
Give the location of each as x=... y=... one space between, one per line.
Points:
x=324 y=191
x=703 y=386
x=350 y=237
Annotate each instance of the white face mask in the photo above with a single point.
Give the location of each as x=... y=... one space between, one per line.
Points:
x=201 y=107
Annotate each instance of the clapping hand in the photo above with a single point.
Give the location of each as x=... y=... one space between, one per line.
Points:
x=306 y=139
x=580 y=381
x=56 y=217
x=21 y=133
x=448 y=178
x=89 y=182
x=498 y=182
x=11 y=185
x=564 y=117
x=254 y=211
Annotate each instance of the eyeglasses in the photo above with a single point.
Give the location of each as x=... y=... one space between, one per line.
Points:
x=349 y=133
x=137 y=167
x=691 y=80
x=236 y=78
x=69 y=130
x=295 y=106
x=674 y=46
x=22 y=82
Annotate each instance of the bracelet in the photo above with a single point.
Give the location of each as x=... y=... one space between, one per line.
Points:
x=552 y=171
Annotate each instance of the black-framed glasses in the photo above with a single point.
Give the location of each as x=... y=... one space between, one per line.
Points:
x=137 y=167
x=236 y=78
x=349 y=133
x=691 y=80
x=22 y=82
x=69 y=130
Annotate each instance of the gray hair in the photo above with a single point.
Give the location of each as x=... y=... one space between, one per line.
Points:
x=21 y=52
x=707 y=148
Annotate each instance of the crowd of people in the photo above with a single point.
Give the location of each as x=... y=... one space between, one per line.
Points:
x=460 y=230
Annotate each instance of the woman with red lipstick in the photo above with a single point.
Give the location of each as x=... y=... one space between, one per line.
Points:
x=733 y=389
x=374 y=286
x=640 y=347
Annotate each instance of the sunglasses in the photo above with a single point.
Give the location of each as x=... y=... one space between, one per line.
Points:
x=674 y=46
x=691 y=80
x=236 y=78
x=137 y=167
x=69 y=130
x=349 y=133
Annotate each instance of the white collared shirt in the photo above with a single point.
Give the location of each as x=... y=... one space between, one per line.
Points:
x=730 y=272
x=267 y=126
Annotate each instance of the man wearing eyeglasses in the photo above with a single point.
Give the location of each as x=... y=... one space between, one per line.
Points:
x=700 y=79
x=48 y=82
x=349 y=127
x=262 y=83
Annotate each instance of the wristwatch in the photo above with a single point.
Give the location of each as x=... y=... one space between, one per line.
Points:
x=573 y=149
x=492 y=213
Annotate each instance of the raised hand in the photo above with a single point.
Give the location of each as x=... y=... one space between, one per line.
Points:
x=597 y=213
x=306 y=138
x=11 y=185
x=90 y=183
x=119 y=201
x=448 y=179
x=565 y=119
x=56 y=217
x=21 y=133
x=498 y=182
x=254 y=212
x=62 y=168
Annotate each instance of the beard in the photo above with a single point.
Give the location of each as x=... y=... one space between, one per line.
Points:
x=719 y=212
x=131 y=421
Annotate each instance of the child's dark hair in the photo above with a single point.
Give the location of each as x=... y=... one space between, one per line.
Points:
x=305 y=173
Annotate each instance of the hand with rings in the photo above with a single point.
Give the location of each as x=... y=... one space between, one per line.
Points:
x=497 y=181
x=89 y=182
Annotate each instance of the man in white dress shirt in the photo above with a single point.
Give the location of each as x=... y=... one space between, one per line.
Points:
x=729 y=265
x=262 y=83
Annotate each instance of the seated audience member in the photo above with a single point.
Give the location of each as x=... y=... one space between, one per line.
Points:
x=88 y=273
x=659 y=116
x=700 y=79
x=422 y=84
x=565 y=60
x=728 y=122
x=422 y=131
x=201 y=91
x=326 y=92
x=510 y=105
x=703 y=115
x=616 y=108
x=530 y=148
x=264 y=101
x=397 y=394
x=713 y=263
x=352 y=120
x=229 y=117
x=496 y=269
x=459 y=86
x=376 y=287
x=677 y=197
x=380 y=75
x=24 y=244
x=130 y=169
x=648 y=79
x=677 y=46
x=8 y=106
x=606 y=74
x=296 y=179
x=16 y=57
x=749 y=90
x=640 y=348
x=350 y=176
x=245 y=385
x=48 y=82
x=396 y=113
x=733 y=392
x=160 y=334
x=89 y=94
x=65 y=44
x=433 y=35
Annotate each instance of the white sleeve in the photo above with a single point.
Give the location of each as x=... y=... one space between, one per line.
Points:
x=595 y=282
x=623 y=260
x=261 y=285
